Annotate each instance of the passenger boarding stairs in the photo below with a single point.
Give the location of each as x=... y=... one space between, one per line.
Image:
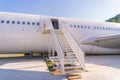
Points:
x=69 y=54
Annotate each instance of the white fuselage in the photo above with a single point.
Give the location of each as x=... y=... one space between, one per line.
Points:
x=22 y=33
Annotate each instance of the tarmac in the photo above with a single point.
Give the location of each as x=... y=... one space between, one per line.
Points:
x=100 y=67
x=25 y=69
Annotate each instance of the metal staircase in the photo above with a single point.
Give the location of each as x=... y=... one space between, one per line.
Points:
x=71 y=63
x=69 y=54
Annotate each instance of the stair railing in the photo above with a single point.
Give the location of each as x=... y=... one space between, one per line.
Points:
x=58 y=47
x=74 y=45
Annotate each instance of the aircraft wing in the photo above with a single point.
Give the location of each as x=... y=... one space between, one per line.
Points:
x=105 y=41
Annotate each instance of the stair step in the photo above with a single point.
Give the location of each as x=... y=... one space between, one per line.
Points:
x=72 y=67
x=63 y=48
x=71 y=63
x=66 y=48
x=70 y=60
x=64 y=43
x=67 y=52
x=69 y=56
x=73 y=71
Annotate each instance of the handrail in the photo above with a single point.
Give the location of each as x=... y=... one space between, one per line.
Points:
x=73 y=43
x=58 y=47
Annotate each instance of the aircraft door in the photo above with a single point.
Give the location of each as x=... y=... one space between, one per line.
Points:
x=55 y=23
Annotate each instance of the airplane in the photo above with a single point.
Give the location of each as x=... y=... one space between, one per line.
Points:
x=70 y=38
x=22 y=33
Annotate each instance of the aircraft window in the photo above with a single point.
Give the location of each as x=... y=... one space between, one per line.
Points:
x=28 y=23
x=74 y=26
x=88 y=26
x=94 y=27
x=81 y=26
x=23 y=22
x=78 y=26
x=33 y=23
x=7 y=22
x=97 y=27
x=13 y=22
x=2 y=21
x=18 y=22
x=104 y=28
x=38 y=23
x=109 y=28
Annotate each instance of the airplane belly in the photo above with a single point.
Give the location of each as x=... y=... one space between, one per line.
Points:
x=89 y=49
x=24 y=42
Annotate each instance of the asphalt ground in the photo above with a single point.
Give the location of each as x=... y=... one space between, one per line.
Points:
x=24 y=68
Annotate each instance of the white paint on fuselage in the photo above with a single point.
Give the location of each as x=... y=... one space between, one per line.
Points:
x=19 y=38
x=84 y=33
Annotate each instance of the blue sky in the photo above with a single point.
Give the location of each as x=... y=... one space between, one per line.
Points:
x=95 y=10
